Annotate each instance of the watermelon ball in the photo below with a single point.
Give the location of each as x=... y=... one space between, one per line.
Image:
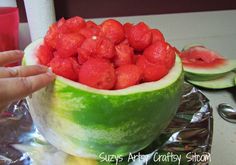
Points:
x=91 y=29
x=156 y=53
x=112 y=30
x=52 y=34
x=67 y=44
x=97 y=73
x=87 y=49
x=157 y=35
x=45 y=54
x=127 y=26
x=151 y=71
x=128 y=75
x=160 y=53
x=170 y=56
x=66 y=67
x=105 y=48
x=97 y=47
x=72 y=25
x=83 y=55
x=124 y=55
x=139 y=36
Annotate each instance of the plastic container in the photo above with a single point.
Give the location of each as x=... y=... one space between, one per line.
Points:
x=9 y=28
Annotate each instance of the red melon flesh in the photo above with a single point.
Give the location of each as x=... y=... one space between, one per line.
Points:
x=157 y=35
x=91 y=29
x=67 y=44
x=139 y=36
x=96 y=47
x=124 y=55
x=128 y=75
x=113 y=30
x=106 y=56
x=67 y=68
x=151 y=71
x=72 y=25
x=160 y=53
x=199 y=56
x=97 y=73
x=45 y=54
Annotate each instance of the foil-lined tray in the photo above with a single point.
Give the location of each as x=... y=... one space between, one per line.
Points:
x=187 y=139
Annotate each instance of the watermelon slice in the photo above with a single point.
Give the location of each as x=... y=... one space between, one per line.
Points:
x=201 y=63
x=225 y=81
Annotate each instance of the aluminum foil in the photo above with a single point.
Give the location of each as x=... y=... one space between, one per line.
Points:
x=187 y=139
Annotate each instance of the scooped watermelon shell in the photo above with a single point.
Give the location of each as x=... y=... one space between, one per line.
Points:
x=85 y=121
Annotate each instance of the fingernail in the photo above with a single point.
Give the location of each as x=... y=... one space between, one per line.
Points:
x=50 y=69
x=50 y=73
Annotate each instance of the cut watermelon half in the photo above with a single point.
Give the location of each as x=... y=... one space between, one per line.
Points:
x=85 y=121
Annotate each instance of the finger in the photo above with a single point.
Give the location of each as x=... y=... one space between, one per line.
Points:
x=10 y=57
x=22 y=71
x=19 y=87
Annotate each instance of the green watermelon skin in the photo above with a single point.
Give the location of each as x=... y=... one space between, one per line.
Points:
x=205 y=74
x=223 y=82
x=86 y=122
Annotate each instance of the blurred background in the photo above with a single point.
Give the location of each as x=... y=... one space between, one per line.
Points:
x=112 y=8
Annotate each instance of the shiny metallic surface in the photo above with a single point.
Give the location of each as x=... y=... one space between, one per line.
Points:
x=227 y=112
x=188 y=137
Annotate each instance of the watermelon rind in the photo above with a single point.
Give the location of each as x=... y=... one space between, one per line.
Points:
x=186 y=47
x=203 y=73
x=84 y=121
x=226 y=81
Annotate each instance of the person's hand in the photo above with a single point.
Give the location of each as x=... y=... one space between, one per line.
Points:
x=20 y=81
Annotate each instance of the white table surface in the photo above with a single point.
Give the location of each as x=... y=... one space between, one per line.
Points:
x=216 y=30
